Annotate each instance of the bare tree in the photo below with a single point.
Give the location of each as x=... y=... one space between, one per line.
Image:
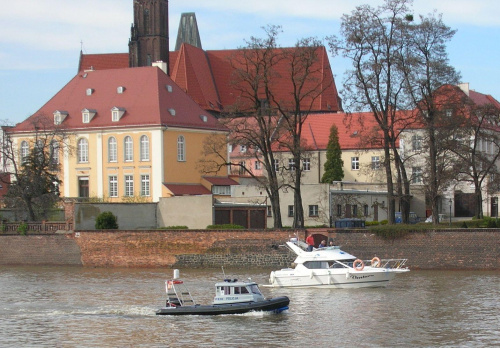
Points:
x=252 y=122
x=372 y=39
x=308 y=83
x=32 y=166
x=268 y=122
x=425 y=67
x=477 y=147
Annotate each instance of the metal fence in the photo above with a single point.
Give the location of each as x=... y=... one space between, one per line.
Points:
x=35 y=227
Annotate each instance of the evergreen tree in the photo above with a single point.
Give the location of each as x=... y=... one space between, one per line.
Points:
x=334 y=165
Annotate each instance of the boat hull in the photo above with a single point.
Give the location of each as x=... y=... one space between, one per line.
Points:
x=277 y=305
x=331 y=279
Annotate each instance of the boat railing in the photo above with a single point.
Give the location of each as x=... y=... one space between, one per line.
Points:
x=387 y=263
x=178 y=294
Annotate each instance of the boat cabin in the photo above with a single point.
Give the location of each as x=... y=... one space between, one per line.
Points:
x=233 y=291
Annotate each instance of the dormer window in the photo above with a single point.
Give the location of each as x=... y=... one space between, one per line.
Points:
x=172 y=112
x=89 y=91
x=204 y=118
x=117 y=114
x=169 y=88
x=120 y=89
x=88 y=115
x=59 y=116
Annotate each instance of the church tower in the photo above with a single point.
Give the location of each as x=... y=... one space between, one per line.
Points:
x=149 y=34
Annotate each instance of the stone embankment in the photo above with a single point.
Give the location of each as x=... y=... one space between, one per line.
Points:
x=443 y=249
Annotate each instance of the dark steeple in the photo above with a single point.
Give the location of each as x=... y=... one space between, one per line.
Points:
x=149 y=34
x=188 y=31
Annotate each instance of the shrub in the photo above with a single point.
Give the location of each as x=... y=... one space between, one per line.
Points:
x=175 y=228
x=22 y=228
x=384 y=222
x=106 y=221
x=225 y=227
x=372 y=223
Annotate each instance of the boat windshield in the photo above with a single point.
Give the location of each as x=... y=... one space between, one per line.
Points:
x=254 y=289
x=316 y=264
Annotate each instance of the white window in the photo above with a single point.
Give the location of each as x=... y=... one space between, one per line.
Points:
x=54 y=152
x=86 y=117
x=115 y=116
x=306 y=163
x=355 y=163
x=128 y=149
x=57 y=119
x=145 y=185
x=375 y=162
x=144 y=148
x=181 y=149
x=276 y=165
x=291 y=164
x=449 y=112
x=242 y=167
x=243 y=148
x=112 y=150
x=221 y=190
x=313 y=210
x=416 y=143
x=257 y=165
x=290 y=211
x=269 y=211
x=230 y=148
x=416 y=176
x=83 y=150
x=25 y=150
x=129 y=185
x=113 y=186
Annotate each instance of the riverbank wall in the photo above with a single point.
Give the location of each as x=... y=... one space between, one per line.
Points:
x=442 y=249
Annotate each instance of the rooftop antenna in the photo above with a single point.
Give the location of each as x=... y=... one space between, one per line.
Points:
x=223 y=273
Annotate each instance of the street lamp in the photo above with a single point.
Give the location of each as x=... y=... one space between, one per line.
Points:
x=450 y=210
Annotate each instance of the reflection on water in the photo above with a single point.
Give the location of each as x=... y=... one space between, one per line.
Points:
x=81 y=307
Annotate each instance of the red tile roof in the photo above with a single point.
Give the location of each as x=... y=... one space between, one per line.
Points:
x=483 y=99
x=146 y=101
x=103 y=61
x=220 y=181
x=354 y=131
x=207 y=76
x=187 y=189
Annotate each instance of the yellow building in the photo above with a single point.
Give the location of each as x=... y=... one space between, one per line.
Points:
x=130 y=133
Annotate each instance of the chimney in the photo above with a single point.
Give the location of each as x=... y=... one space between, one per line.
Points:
x=464 y=87
x=162 y=65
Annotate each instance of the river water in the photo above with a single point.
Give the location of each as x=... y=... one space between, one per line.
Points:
x=94 y=307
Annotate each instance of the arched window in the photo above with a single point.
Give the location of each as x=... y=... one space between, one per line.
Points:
x=112 y=150
x=25 y=150
x=181 y=149
x=128 y=149
x=144 y=148
x=83 y=150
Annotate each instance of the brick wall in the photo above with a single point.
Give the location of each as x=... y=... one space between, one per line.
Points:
x=39 y=250
x=451 y=249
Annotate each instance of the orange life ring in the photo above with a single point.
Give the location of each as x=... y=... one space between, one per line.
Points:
x=358 y=265
x=377 y=260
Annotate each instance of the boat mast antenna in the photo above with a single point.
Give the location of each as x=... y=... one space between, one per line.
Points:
x=223 y=273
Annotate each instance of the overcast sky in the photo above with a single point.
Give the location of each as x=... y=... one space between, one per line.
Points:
x=40 y=40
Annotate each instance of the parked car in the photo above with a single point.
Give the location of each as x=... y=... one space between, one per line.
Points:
x=413 y=218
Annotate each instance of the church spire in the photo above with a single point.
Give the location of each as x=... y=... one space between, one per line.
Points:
x=188 y=31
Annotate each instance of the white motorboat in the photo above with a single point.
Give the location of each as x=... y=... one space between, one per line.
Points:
x=331 y=267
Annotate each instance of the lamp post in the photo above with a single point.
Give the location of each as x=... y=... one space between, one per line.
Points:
x=450 y=210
